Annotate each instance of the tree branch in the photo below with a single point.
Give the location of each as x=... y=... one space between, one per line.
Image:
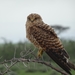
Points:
x=16 y=60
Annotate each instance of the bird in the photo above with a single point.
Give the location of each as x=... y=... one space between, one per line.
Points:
x=46 y=40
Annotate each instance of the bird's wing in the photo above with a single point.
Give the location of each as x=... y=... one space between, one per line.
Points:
x=47 y=38
x=47 y=29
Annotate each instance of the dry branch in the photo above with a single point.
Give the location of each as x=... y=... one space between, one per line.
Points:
x=16 y=60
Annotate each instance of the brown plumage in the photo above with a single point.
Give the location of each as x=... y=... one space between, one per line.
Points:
x=45 y=39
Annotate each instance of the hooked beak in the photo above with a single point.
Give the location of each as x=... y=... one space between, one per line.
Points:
x=32 y=20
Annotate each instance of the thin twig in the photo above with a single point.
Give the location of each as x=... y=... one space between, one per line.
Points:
x=29 y=60
x=8 y=68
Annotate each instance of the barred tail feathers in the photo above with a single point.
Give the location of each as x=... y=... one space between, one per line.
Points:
x=71 y=65
x=67 y=66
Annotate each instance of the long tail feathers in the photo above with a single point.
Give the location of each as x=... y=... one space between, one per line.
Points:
x=71 y=65
x=67 y=66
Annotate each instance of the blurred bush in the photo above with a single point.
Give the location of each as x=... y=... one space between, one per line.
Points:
x=9 y=50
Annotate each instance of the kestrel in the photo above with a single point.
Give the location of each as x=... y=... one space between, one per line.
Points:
x=45 y=39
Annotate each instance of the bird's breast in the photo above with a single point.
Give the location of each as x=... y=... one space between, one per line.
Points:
x=30 y=36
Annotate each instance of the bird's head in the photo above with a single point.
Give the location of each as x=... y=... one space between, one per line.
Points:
x=34 y=18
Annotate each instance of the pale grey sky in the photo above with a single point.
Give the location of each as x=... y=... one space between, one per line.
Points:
x=13 y=14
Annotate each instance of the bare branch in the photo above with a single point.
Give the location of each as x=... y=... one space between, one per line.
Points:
x=29 y=60
x=22 y=59
x=6 y=71
x=15 y=53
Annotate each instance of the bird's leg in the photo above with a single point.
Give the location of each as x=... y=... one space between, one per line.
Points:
x=40 y=52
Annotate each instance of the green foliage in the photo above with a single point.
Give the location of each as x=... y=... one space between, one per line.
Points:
x=70 y=48
x=9 y=50
x=38 y=69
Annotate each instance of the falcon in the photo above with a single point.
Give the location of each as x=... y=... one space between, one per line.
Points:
x=46 y=40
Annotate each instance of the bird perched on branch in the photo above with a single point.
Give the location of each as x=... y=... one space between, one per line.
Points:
x=45 y=39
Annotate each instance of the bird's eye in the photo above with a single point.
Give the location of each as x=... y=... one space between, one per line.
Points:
x=28 y=18
x=35 y=18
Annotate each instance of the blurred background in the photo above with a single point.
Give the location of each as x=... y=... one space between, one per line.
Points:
x=13 y=15
x=60 y=14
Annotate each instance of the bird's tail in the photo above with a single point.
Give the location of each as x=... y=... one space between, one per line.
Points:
x=67 y=66
x=71 y=65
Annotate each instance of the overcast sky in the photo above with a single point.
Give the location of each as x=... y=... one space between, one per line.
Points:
x=13 y=14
